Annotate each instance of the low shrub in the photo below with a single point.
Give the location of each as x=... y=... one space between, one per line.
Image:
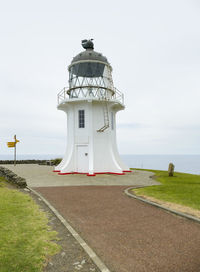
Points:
x=56 y=161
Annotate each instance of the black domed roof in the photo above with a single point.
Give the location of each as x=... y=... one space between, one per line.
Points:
x=88 y=63
x=89 y=54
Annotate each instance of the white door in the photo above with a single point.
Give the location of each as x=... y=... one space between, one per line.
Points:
x=82 y=159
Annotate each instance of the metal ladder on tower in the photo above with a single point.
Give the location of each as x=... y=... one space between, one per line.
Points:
x=106 y=118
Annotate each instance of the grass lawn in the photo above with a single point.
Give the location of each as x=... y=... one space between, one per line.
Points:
x=183 y=189
x=26 y=240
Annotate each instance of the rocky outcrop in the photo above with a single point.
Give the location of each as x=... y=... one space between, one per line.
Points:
x=12 y=177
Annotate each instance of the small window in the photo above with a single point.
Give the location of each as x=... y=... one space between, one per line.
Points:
x=81 y=118
x=112 y=120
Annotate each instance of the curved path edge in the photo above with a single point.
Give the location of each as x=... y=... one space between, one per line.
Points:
x=190 y=217
x=78 y=238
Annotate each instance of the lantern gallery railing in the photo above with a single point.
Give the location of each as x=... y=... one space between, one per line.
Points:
x=97 y=92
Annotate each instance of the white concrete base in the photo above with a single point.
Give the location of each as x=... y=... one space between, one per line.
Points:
x=89 y=151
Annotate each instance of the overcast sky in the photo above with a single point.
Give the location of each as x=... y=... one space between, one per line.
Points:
x=153 y=47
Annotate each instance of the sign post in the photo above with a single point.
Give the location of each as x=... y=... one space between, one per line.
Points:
x=15 y=151
x=13 y=144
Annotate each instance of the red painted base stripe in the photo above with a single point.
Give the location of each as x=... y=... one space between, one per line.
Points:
x=56 y=171
x=116 y=173
x=112 y=173
x=99 y=173
x=64 y=174
x=96 y=173
x=80 y=173
x=127 y=171
x=71 y=173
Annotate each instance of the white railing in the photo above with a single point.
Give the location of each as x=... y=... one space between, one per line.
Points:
x=89 y=92
x=62 y=95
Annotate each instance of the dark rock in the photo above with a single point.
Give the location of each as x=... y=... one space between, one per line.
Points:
x=171 y=169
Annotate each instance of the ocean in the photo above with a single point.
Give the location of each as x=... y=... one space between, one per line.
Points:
x=183 y=163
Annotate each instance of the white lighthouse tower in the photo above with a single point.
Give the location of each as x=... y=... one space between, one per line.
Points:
x=91 y=103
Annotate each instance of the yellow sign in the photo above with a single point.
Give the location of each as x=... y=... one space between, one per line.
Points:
x=11 y=144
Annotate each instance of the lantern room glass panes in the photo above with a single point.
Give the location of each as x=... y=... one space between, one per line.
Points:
x=90 y=79
x=88 y=69
x=90 y=74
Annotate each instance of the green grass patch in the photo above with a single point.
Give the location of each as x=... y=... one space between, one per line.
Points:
x=26 y=241
x=183 y=189
x=2 y=182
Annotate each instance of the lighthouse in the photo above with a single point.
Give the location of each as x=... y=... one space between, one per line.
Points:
x=91 y=103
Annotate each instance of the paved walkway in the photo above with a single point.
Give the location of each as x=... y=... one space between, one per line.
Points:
x=128 y=235
x=42 y=176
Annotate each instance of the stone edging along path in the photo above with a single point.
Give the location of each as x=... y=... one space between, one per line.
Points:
x=87 y=249
x=12 y=177
x=190 y=217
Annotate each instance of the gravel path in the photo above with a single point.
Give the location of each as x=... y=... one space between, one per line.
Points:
x=126 y=234
x=42 y=176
